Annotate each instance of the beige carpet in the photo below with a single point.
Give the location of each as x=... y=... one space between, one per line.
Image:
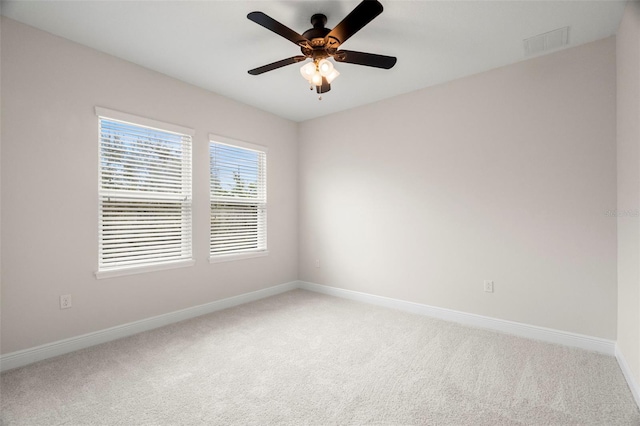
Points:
x=302 y=358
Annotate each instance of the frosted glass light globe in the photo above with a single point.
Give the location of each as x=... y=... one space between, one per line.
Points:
x=325 y=67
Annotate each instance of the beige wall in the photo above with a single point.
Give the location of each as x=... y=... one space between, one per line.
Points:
x=50 y=87
x=628 y=111
x=505 y=176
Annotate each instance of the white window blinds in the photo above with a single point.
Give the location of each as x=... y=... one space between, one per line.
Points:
x=238 y=194
x=145 y=192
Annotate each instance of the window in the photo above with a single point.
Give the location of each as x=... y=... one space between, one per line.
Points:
x=144 y=194
x=238 y=194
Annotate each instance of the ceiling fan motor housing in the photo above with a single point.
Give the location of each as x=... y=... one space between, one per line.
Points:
x=316 y=48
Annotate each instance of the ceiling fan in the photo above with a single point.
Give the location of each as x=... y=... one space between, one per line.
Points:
x=320 y=43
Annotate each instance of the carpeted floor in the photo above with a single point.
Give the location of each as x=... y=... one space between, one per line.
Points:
x=302 y=358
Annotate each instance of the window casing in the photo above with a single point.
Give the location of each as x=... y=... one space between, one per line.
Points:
x=145 y=201
x=238 y=198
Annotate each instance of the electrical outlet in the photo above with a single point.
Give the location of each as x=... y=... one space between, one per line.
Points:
x=65 y=301
x=488 y=286
x=317 y=263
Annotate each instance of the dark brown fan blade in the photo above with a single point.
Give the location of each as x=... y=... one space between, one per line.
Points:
x=368 y=59
x=353 y=22
x=277 y=64
x=275 y=26
x=325 y=86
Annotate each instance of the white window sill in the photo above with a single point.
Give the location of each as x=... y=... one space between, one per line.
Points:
x=110 y=273
x=237 y=256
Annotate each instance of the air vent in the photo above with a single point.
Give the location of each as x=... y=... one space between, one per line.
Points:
x=546 y=42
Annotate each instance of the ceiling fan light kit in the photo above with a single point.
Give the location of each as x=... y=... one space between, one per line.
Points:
x=319 y=44
x=315 y=71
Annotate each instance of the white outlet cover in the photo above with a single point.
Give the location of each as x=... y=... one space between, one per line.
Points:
x=65 y=301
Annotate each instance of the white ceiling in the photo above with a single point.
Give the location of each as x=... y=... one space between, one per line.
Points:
x=211 y=44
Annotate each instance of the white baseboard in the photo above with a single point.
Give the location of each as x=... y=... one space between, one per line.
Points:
x=28 y=356
x=608 y=347
x=519 y=329
x=628 y=375
x=38 y=353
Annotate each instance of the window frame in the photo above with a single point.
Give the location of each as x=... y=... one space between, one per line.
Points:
x=263 y=203
x=187 y=168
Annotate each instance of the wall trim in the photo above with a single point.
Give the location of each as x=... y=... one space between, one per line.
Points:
x=565 y=338
x=519 y=329
x=27 y=356
x=628 y=375
x=61 y=347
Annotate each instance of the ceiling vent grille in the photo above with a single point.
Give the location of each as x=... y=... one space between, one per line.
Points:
x=546 y=42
